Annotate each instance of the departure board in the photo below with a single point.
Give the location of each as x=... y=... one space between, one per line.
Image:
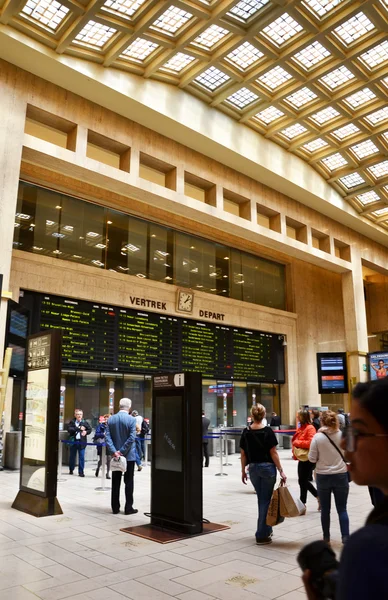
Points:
x=101 y=337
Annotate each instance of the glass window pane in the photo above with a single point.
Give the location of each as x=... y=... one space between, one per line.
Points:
x=239 y=404
x=182 y=261
x=236 y=276
x=87 y=395
x=209 y=400
x=160 y=257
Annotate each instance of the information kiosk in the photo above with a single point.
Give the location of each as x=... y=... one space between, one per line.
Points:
x=176 y=476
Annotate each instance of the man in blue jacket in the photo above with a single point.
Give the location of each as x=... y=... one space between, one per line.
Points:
x=120 y=439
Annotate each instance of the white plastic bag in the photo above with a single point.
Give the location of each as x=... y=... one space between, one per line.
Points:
x=118 y=464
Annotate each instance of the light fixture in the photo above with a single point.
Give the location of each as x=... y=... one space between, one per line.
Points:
x=92 y=234
x=109 y=222
x=23 y=216
x=141 y=275
x=100 y=246
x=58 y=207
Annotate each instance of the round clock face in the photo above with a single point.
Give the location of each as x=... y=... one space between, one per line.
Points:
x=185 y=301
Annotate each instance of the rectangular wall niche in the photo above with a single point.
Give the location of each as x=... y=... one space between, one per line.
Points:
x=200 y=189
x=50 y=128
x=296 y=230
x=342 y=250
x=107 y=151
x=157 y=171
x=320 y=241
x=237 y=205
x=266 y=217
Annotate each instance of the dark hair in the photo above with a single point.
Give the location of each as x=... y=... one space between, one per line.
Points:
x=372 y=396
x=304 y=417
x=315 y=414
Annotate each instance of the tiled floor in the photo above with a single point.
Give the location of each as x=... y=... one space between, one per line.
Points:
x=83 y=555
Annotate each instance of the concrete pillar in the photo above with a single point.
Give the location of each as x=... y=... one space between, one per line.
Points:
x=356 y=332
x=13 y=113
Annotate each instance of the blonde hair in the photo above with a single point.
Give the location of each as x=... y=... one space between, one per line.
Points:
x=329 y=419
x=258 y=412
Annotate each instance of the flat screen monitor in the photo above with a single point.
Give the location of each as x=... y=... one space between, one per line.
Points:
x=378 y=365
x=332 y=373
x=169 y=433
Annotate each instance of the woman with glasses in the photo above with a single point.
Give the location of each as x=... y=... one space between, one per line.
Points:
x=332 y=473
x=364 y=560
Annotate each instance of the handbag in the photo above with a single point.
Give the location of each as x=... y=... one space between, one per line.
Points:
x=339 y=452
x=290 y=503
x=273 y=515
x=118 y=463
x=301 y=454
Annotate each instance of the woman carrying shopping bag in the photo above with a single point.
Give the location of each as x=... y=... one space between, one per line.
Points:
x=332 y=475
x=301 y=442
x=258 y=450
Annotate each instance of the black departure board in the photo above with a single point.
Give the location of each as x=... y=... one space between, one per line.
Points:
x=101 y=337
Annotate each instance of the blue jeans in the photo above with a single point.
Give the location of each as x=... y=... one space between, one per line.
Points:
x=339 y=485
x=263 y=478
x=74 y=448
x=138 y=452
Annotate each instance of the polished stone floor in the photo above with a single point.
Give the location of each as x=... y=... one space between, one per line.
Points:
x=83 y=555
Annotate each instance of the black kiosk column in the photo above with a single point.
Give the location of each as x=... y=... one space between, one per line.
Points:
x=176 y=488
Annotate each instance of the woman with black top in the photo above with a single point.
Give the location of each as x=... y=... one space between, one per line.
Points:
x=258 y=450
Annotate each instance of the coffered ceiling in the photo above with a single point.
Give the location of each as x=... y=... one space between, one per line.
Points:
x=310 y=75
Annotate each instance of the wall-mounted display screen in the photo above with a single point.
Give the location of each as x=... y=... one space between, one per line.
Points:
x=102 y=337
x=332 y=373
x=378 y=365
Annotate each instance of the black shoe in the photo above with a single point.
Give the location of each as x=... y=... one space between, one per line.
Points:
x=133 y=511
x=97 y=472
x=81 y=474
x=263 y=541
x=107 y=476
x=71 y=472
x=115 y=512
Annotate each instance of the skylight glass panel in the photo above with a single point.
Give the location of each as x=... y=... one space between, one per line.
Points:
x=247 y=8
x=301 y=97
x=244 y=56
x=139 y=50
x=95 y=34
x=311 y=56
x=212 y=78
x=378 y=116
x=46 y=12
x=178 y=62
x=351 y=181
x=380 y=212
x=242 y=98
x=379 y=170
x=315 y=145
x=274 y=78
x=368 y=197
x=269 y=114
x=375 y=56
x=210 y=37
x=293 y=131
x=360 y=98
x=321 y=7
x=354 y=28
x=334 y=162
x=337 y=77
x=325 y=115
x=171 y=20
x=364 y=149
x=123 y=7
x=283 y=29
x=346 y=131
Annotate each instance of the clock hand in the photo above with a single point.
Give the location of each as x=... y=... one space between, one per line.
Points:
x=187 y=299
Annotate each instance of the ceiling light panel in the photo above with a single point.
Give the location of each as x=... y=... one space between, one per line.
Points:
x=311 y=56
x=368 y=197
x=337 y=78
x=172 y=20
x=346 y=131
x=375 y=56
x=334 y=162
x=268 y=115
x=325 y=115
x=293 y=131
x=244 y=56
x=94 y=34
x=351 y=181
x=378 y=117
x=315 y=145
x=354 y=28
x=212 y=78
x=245 y=9
x=380 y=212
x=275 y=78
x=139 y=50
x=379 y=170
x=178 y=62
x=360 y=98
x=321 y=7
x=123 y=7
x=282 y=30
x=46 y=12
x=301 y=97
x=364 y=149
x=208 y=38
x=242 y=98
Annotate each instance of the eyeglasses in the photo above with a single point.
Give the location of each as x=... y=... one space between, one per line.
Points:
x=351 y=436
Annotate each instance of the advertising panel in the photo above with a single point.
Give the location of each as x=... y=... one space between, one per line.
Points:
x=378 y=365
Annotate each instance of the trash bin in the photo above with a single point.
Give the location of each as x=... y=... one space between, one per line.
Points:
x=287 y=441
x=13 y=449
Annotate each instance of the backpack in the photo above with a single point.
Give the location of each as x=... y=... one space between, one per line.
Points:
x=144 y=428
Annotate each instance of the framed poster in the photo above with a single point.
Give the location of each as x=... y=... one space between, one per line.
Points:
x=378 y=365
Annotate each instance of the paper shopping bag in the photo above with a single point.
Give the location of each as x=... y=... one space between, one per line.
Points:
x=290 y=504
x=273 y=515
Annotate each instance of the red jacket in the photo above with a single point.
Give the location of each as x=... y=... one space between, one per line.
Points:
x=302 y=438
